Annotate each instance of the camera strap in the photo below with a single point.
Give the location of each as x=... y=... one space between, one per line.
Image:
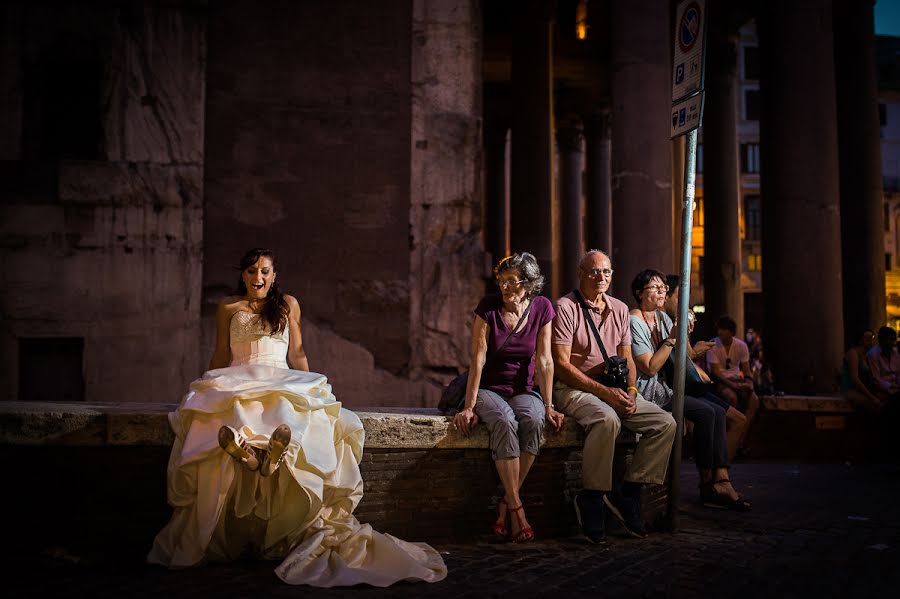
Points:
x=590 y=321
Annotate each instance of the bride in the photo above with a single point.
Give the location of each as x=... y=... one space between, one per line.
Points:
x=266 y=461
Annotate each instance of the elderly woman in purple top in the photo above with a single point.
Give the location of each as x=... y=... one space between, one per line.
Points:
x=501 y=388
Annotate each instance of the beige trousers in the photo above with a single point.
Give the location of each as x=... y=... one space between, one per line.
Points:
x=602 y=426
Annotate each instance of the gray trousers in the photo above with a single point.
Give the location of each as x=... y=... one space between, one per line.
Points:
x=515 y=424
x=602 y=425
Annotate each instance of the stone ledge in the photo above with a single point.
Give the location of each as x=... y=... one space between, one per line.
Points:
x=76 y=424
x=806 y=403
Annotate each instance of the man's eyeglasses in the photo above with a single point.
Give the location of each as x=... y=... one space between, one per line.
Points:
x=595 y=273
x=658 y=288
x=509 y=283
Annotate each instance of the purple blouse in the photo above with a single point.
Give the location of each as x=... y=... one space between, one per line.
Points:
x=512 y=372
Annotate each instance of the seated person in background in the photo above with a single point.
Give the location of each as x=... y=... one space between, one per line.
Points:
x=729 y=365
x=510 y=345
x=578 y=349
x=653 y=339
x=884 y=361
x=857 y=383
x=698 y=383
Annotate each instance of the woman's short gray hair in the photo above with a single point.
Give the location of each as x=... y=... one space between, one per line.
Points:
x=528 y=269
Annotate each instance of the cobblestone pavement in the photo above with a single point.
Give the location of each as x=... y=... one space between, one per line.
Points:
x=815 y=531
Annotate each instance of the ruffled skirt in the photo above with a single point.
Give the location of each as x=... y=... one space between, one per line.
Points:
x=303 y=513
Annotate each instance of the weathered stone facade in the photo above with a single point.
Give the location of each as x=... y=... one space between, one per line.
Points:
x=100 y=227
x=345 y=136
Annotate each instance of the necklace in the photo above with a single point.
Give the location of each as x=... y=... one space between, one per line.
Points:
x=255 y=305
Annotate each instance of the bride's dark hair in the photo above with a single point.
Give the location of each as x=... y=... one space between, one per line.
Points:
x=275 y=311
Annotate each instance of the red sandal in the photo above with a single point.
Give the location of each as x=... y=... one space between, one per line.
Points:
x=525 y=534
x=499 y=528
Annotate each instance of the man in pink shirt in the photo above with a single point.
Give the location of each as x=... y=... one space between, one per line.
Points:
x=603 y=410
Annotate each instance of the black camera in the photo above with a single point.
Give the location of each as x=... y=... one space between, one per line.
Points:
x=615 y=373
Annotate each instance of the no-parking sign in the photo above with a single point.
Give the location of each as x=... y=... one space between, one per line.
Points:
x=690 y=36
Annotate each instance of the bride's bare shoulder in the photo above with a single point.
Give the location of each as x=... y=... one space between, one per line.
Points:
x=230 y=305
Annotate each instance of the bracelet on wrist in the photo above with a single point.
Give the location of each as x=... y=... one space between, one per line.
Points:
x=669 y=343
x=630 y=387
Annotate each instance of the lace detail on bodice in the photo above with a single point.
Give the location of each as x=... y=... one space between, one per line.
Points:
x=251 y=342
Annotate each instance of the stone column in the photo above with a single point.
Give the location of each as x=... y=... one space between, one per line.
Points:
x=569 y=139
x=599 y=181
x=800 y=211
x=496 y=178
x=641 y=152
x=721 y=182
x=531 y=213
x=862 y=215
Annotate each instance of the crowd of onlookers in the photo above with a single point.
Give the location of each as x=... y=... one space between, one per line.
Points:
x=870 y=375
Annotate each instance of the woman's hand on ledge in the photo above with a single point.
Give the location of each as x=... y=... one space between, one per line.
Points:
x=465 y=420
x=555 y=418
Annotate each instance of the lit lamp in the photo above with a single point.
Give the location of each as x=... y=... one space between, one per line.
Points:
x=581 y=25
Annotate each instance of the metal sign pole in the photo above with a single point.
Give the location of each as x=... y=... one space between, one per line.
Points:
x=687 y=112
x=684 y=294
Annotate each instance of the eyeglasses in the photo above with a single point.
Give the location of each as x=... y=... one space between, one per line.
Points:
x=509 y=283
x=595 y=273
x=658 y=288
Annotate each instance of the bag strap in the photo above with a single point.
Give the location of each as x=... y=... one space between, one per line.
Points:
x=509 y=338
x=590 y=322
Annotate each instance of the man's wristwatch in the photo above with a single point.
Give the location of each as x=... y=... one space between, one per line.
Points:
x=669 y=342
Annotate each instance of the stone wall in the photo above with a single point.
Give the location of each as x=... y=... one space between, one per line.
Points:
x=102 y=161
x=423 y=480
x=447 y=248
x=346 y=137
x=307 y=152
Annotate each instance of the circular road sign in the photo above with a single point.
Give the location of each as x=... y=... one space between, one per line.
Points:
x=689 y=27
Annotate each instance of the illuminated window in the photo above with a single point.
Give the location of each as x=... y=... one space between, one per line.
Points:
x=754 y=262
x=698 y=210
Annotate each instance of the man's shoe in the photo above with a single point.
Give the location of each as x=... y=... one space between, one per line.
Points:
x=590 y=511
x=627 y=511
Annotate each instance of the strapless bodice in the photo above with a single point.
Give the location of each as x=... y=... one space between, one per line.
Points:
x=251 y=342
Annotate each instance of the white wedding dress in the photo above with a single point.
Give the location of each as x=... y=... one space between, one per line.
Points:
x=303 y=513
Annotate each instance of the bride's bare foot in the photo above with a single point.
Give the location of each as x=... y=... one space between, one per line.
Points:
x=231 y=443
x=278 y=444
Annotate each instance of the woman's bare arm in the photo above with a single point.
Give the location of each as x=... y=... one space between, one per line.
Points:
x=296 y=354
